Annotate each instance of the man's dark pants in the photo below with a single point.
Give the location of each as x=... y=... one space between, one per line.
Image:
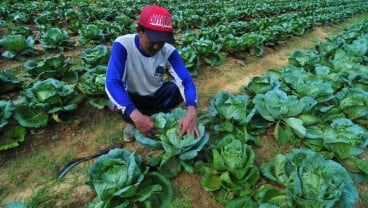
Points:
x=165 y=99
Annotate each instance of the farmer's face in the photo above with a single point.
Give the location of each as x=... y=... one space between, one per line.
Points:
x=148 y=47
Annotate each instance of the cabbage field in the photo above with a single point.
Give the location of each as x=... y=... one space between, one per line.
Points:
x=283 y=107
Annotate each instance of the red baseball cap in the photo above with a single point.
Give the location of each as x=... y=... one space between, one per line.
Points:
x=157 y=22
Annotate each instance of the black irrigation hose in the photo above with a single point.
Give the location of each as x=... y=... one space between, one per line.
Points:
x=79 y=160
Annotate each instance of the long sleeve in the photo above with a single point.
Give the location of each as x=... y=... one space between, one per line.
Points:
x=115 y=87
x=184 y=79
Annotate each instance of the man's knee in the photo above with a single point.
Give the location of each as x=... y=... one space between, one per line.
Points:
x=170 y=96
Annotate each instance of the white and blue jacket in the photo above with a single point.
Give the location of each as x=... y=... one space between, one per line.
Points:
x=130 y=70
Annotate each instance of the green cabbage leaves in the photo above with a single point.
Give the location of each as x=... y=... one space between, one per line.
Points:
x=120 y=179
x=175 y=150
x=309 y=181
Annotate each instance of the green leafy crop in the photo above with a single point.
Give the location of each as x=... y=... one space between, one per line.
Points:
x=175 y=150
x=120 y=179
x=8 y=82
x=283 y=109
x=231 y=166
x=343 y=140
x=10 y=135
x=98 y=55
x=7 y=108
x=17 y=45
x=56 y=39
x=232 y=114
x=57 y=66
x=309 y=180
x=45 y=98
x=92 y=84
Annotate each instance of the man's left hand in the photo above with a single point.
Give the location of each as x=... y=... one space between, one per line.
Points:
x=188 y=124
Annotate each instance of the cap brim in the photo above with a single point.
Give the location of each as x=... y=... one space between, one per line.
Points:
x=158 y=36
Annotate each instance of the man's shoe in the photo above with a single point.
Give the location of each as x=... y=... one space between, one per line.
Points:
x=129 y=131
x=111 y=106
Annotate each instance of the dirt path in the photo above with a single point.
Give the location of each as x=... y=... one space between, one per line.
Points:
x=235 y=72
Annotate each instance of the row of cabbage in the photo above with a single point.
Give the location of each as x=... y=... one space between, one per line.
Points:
x=185 y=13
x=51 y=88
x=245 y=26
x=317 y=103
x=52 y=24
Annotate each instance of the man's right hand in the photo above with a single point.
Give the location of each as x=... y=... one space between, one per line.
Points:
x=143 y=123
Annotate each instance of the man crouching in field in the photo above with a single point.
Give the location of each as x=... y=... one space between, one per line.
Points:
x=135 y=75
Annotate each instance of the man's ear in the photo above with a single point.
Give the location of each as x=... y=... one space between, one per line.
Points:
x=140 y=29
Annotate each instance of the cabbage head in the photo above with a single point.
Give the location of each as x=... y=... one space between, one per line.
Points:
x=10 y=135
x=174 y=150
x=121 y=180
x=233 y=114
x=310 y=180
x=56 y=39
x=6 y=111
x=17 y=45
x=98 y=55
x=230 y=166
x=8 y=82
x=44 y=99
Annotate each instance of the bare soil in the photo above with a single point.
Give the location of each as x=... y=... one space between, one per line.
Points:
x=32 y=168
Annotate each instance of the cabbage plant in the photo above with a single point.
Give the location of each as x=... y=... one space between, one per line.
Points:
x=120 y=179
x=16 y=46
x=305 y=59
x=26 y=31
x=99 y=55
x=231 y=43
x=343 y=140
x=8 y=82
x=282 y=109
x=90 y=33
x=43 y=100
x=230 y=166
x=50 y=67
x=306 y=179
x=10 y=135
x=15 y=205
x=353 y=102
x=191 y=59
x=7 y=109
x=57 y=66
x=92 y=84
x=253 y=42
x=232 y=114
x=47 y=18
x=56 y=39
x=303 y=83
x=261 y=84
x=174 y=150
x=208 y=51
